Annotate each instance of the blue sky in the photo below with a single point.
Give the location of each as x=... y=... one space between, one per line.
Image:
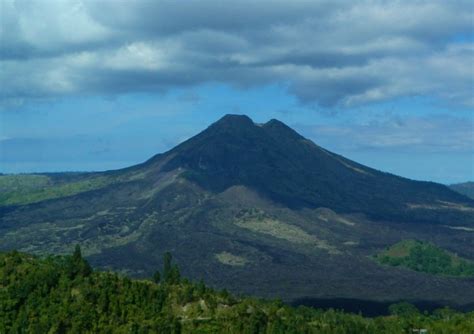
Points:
x=390 y=86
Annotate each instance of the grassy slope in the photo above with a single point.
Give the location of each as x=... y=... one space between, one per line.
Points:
x=23 y=189
x=30 y=188
x=23 y=182
x=61 y=295
x=426 y=257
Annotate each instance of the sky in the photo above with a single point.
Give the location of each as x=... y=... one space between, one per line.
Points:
x=96 y=85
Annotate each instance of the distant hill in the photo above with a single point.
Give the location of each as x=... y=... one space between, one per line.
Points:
x=466 y=188
x=255 y=208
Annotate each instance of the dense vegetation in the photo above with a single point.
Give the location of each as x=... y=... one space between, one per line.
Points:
x=62 y=294
x=426 y=257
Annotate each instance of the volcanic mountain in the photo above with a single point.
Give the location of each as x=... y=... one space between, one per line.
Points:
x=255 y=208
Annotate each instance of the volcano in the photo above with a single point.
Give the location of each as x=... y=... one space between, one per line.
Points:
x=254 y=208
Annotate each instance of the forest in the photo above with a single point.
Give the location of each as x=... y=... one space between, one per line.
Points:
x=426 y=257
x=63 y=294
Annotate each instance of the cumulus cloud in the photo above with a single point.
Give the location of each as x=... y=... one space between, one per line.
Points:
x=332 y=53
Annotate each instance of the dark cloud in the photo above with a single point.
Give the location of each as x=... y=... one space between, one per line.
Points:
x=333 y=53
x=169 y=18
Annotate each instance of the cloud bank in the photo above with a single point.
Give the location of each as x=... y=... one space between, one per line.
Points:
x=329 y=53
x=414 y=134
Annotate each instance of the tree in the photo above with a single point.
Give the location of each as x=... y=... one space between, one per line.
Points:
x=403 y=309
x=201 y=288
x=78 y=265
x=157 y=276
x=171 y=272
x=166 y=265
x=77 y=255
x=174 y=276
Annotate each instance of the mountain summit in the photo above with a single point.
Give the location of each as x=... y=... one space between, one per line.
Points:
x=255 y=208
x=285 y=167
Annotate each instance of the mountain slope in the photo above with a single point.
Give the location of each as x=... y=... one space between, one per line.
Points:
x=257 y=209
x=466 y=188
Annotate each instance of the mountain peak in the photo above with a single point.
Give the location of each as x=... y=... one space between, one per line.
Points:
x=278 y=128
x=233 y=120
x=274 y=122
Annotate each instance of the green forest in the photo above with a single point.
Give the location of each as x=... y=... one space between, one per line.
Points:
x=426 y=257
x=63 y=294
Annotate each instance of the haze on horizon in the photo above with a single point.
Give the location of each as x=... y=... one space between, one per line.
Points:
x=96 y=85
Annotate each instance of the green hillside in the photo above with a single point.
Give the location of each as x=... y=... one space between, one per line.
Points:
x=62 y=294
x=32 y=188
x=21 y=189
x=426 y=257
